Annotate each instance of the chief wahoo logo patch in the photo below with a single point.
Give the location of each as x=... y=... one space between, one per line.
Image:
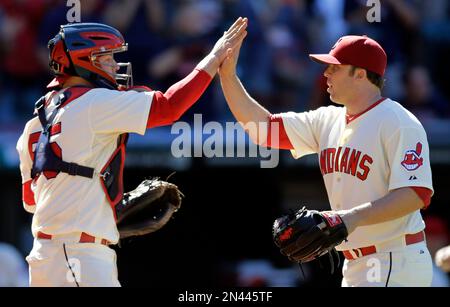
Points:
x=412 y=159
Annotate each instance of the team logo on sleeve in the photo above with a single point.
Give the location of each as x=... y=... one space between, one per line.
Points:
x=412 y=159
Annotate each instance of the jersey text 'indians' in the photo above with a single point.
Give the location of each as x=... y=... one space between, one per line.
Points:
x=345 y=160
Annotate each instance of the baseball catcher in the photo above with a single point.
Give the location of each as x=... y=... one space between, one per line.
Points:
x=147 y=208
x=72 y=153
x=305 y=235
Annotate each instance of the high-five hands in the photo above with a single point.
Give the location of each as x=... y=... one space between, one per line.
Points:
x=230 y=40
x=228 y=66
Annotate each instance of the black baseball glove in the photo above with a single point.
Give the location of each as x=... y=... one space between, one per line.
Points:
x=305 y=235
x=147 y=208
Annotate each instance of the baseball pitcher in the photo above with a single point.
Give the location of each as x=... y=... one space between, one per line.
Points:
x=374 y=158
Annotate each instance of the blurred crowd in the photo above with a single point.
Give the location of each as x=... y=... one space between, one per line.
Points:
x=167 y=38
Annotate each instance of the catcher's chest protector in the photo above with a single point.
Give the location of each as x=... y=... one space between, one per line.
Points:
x=111 y=175
x=45 y=158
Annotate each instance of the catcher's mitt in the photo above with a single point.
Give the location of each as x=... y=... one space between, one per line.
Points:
x=147 y=208
x=305 y=235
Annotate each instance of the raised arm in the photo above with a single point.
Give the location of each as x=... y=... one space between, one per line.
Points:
x=245 y=109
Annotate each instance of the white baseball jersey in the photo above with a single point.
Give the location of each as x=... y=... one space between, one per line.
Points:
x=86 y=133
x=381 y=150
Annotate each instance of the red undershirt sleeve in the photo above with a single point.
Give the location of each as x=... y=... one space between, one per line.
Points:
x=424 y=194
x=283 y=139
x=170 y=106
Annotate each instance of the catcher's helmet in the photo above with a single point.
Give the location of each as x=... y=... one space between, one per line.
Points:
x=74 y=51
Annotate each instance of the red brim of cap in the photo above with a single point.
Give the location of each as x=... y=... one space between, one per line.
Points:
x=57 y=81
x=324 y=59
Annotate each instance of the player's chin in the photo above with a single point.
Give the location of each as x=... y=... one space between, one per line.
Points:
x=332 y=95
x=330 y=91
x=335 y=100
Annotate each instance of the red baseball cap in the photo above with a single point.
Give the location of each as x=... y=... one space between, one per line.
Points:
x=360 y=51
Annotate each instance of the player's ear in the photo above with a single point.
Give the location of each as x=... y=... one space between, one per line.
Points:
x=361 y=73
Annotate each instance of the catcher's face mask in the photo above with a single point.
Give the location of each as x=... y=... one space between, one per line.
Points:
x=121 y=72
